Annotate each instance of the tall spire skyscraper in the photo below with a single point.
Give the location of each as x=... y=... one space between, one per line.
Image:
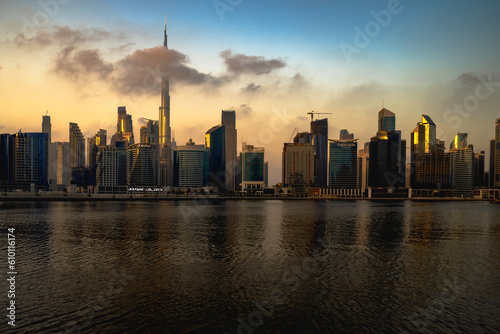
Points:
x=165 y=37
x=165 y=139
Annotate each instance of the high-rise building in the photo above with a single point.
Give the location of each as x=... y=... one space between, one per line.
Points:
x=497 y=154
x=433 y=170
x=142 y=165
x=363 y=165
x=52 y=150
x=215 y=142
x=165 y=132
x=303 y=138
x=111 y=171
x=6 y=161
x=252 y=169
x=124 y=126
x=319 y=132
x=30 y=164
x=47 y=127
x=266 y=174
x=386 y=121
x=150 y=133
x=93 y=144
x=463 y=165
x=63 y=165
x=298 y=166
x=459 y=142
x=342 y=165
x=190 y=165
x=423 y=141
x=76 y=146
x=464 y=171
x=491 y=174
x=387 y=154
x=386 y=166
x=423 y=137
x=229 y=122
x=479 y=170
x=345 y=135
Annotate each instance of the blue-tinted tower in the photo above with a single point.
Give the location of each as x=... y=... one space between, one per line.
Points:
x=215 y=142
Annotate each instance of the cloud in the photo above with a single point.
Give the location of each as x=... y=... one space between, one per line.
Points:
x=244 y=110
x=123 y=48
x=238 y=64
x=64 y=35
x=75 y=63
x=252 y=88
x=140 y=72
x=469 y=86
x=142 y=121
x=143 y=70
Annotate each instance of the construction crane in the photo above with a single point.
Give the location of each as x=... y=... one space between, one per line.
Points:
x=296 y=129
x=312 y=113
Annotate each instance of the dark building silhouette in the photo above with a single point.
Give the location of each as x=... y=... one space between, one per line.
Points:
x=491 y=174
x=228 y=120
x=479 y=170
x=215 y=142
x=434 y=170
x=142 y=165
x=386 y=166
x=30 y=163
x=342 y=165
x=319 y=132
x=6 y=161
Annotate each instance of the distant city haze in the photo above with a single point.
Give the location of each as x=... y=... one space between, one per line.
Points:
x=271 y=62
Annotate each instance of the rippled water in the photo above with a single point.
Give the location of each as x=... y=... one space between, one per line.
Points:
x=261 y=267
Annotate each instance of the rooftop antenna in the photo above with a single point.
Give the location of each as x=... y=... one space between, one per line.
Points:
x=165 y=39
x=46 y=113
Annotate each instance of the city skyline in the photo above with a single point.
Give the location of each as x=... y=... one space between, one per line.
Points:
x=82 y=68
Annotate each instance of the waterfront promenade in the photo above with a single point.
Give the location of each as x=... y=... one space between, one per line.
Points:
x=61 y=196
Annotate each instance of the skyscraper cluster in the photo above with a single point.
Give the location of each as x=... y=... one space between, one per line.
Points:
x=309 y=160
x=380 y=167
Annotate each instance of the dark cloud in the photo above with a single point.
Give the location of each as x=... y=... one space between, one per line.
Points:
x=123 y=48
x=242 y=64
x=244 y=110
x=298 y=84
x=468 y=85
x=65 y=36
x=75 y=63
x=143 y=70
x=470 y=81
x=142 y=121
x=467 y=79
x=140 y=72
x=252 y=88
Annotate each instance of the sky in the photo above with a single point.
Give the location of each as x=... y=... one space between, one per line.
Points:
x=271 y=61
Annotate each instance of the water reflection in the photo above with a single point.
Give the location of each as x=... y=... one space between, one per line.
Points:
x=199 y=267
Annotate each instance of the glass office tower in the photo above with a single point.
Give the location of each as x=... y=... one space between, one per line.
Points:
x=31 y=158
x=215 y=142
x=342 y=165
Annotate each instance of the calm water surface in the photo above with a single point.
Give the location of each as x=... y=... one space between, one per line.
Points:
x=261 y=267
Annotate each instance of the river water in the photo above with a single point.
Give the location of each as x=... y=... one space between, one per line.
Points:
x=254 y=267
